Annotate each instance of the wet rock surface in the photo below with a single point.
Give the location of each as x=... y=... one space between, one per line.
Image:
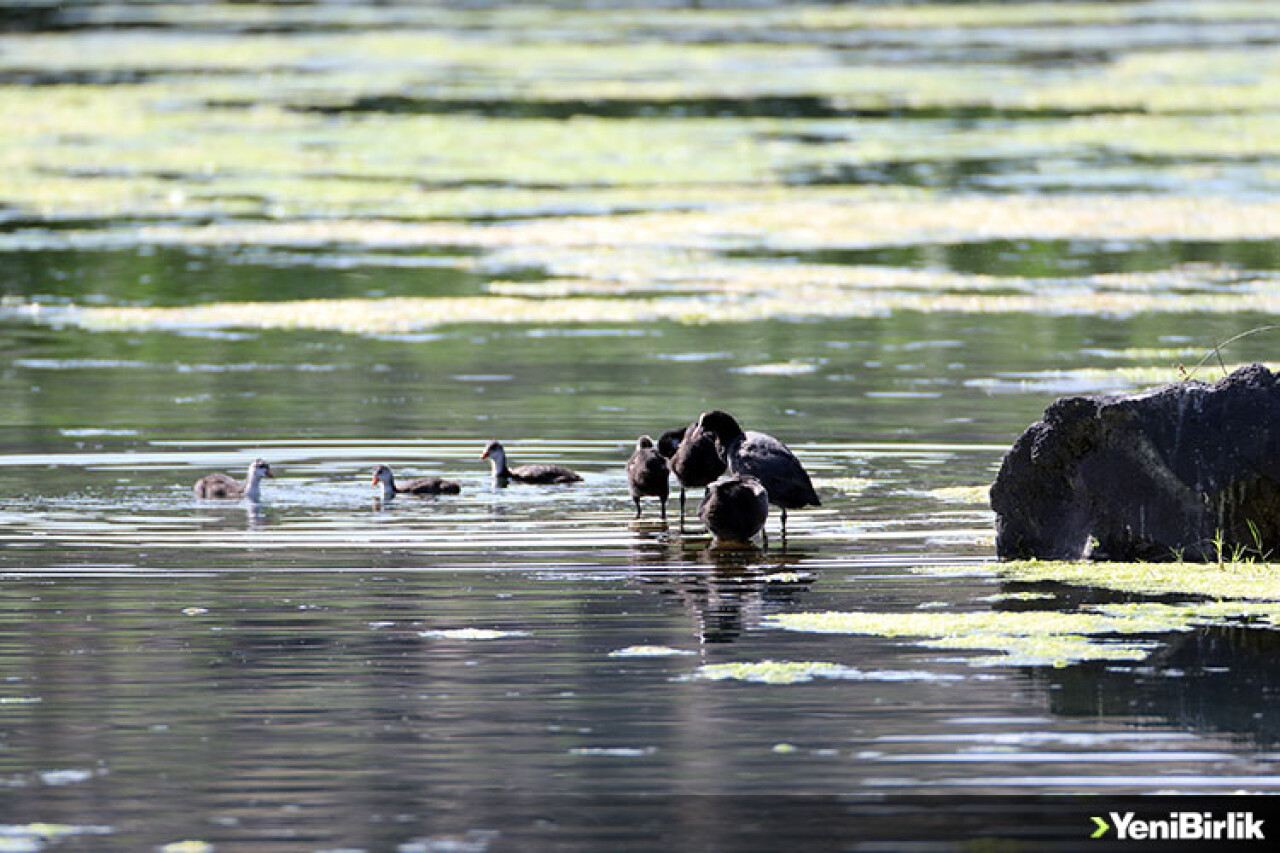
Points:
x=1186 y=471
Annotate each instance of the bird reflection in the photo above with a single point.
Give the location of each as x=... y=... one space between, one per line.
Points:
x=247 y=514
x=727 y=589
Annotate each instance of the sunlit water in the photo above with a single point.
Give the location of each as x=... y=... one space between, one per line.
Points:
x=319 y=670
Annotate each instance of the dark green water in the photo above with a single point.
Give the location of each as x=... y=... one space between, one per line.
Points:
x=319 y=672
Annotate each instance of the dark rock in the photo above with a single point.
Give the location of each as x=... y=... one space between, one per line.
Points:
x=1184 y=471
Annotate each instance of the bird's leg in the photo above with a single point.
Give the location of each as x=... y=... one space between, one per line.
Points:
x=662 y=507
x=682 y=509
x=637 y=500
x=784 y=524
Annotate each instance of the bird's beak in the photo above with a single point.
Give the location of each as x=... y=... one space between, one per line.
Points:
x=375 y=481
x=269 y=474
x=484 y=455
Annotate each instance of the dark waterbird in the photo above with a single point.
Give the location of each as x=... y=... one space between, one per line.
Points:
x=648 y=475
x=222 y=486
x=695 y=459
x=383 y=477
x=735 y=508
x=538 y=474
x=670 y=440
x=765 y=458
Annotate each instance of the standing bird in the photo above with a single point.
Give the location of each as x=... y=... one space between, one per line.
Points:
x=734 y=508
x=670 y=440
x=220 y=486
x=765 y=458
x=541 y=474
x=383 y=477
x=648 y=474
x=695 y=459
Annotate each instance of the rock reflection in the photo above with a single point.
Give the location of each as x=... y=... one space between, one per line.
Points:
x=1218 y=679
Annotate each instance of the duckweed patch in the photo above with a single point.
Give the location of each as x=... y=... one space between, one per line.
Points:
x=1030 y=637
x=648 y=652
x=798 y=672
x=1237 y=582
x=962 y=494
x=1206 y=595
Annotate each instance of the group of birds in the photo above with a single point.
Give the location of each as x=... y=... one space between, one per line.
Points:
x=742 y=473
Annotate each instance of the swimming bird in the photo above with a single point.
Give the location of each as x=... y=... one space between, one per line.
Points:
x=765 y=458
x=648 y=475
x=696 y=460
x=383 y=477
x=734 y=508
x=221 y=486
x=497 y=456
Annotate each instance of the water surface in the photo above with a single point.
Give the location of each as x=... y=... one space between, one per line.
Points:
x=888 y=235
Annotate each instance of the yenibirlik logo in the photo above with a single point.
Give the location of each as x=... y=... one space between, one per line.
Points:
x=1182 y=826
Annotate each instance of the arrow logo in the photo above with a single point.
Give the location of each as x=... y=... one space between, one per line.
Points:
x=1103 y=826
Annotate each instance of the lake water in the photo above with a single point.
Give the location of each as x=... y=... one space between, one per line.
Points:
x=212 y=207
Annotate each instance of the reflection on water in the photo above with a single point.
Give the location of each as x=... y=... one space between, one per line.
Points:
x=1216 y=680
x=530 y=667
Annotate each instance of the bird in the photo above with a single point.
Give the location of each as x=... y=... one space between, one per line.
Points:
x=670 y=440
x=497 y=456
x=648 y=475
x=222 y=486
x=383 y=477
x=734 y=508
x=695 y=459
x=765 y=458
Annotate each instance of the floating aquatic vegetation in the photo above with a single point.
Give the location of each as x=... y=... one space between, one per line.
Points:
x=648 y=652
x=1022 y=637
x=41 y=834
x=398 y=315
x=189 y=845
x=962 y=494
x=1236 y=581
x=788 y=577
x=797 y=672
x=1018 y=596
x=848 y=485
x=1231 y=593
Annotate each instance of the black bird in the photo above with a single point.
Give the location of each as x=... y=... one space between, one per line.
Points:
x=670 y=440
x=695 y=459
x=648 y=475
x=383 y=477
x=734 y=508
x=765 y=458
x=497 y=456
x=221 y=486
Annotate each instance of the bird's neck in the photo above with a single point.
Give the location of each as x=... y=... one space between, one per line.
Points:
x=498 y=461
x=388 y=488
x=252 y=486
